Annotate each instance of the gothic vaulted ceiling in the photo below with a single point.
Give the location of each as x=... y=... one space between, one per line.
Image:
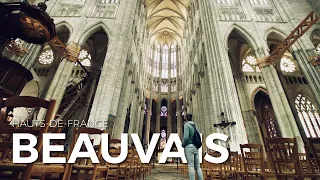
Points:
x=166 y=19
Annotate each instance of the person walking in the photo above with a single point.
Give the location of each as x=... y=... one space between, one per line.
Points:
x=190 y=150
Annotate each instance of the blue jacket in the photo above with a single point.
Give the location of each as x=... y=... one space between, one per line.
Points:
x=188 y=133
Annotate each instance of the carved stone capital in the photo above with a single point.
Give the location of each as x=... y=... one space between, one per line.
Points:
x=73 y=50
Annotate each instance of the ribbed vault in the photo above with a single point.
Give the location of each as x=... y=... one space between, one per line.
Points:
x=166 y=20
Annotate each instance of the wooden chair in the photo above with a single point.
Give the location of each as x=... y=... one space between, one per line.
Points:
x=240 y=173
x=37 y=168
x=315 y=150
x=118 y=171
x=83 y=168
x=253 y=160
x=214 y=171
x=284 y=156
x=184 y=170
x=230 y=167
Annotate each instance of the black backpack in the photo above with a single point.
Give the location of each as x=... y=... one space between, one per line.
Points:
x=196 y=138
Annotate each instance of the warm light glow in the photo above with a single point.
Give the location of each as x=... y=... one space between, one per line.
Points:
x=287 y=65
x=46 y=57
x=84 y=58
x=249 y=64
x=168 y=55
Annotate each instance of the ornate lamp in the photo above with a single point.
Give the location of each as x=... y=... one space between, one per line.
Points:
x=25 y=21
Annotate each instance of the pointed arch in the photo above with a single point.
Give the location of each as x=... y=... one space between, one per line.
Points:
x=281 y=34
x=308 y=95
x=243 y=33
x=64 y=24
x=255 y=92
x=88 y=32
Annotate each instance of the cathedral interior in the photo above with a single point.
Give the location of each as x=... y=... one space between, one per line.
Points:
x=140 y=66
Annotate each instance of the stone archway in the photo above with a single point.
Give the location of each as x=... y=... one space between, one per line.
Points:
x=265 y=115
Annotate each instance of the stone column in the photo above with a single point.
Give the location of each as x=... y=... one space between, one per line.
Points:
x=108 y=92
x=203 y=107
x=62 y=76
x=133 y=115
x=149 y=102
x=211 y=109
x=280 y=103
x=141 y=120
x=311 y=73
x=178 y=91
x=148 y=121
x=220 y=76
x=169 y=124
x=159 y=92
x=195 y=108
x=122 y=107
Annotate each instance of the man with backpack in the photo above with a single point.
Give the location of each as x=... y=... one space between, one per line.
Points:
x=191 y=143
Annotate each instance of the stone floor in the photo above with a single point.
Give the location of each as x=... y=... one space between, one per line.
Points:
x=165 y=172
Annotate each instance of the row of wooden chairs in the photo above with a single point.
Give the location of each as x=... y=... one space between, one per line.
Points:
x=83 y=168
x=282 y=161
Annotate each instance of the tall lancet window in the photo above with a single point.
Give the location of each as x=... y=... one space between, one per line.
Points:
x=173 y=61
x=109 y=1
x=156 y=64
x=165 y=62
x=259 y=2
x=309 y=116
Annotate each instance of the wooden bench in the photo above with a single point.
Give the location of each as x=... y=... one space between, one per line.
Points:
x=36 y=169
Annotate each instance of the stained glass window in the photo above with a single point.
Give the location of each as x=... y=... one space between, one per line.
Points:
x=308 y=115
x=225 y=1
x=165 y=62
x=249 y=64
x=163 y=140
x=46 y=57
x=109 y=1
x=163 y=52
x=259 y=2
x=287 y=65
x=164 y=111
x=164 y=87
x=84 y=58
x=173 y=61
